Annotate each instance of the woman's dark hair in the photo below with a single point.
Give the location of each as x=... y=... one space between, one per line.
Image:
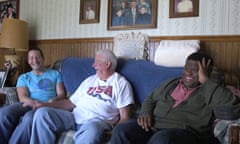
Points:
x=36 y=49
x=198 y=56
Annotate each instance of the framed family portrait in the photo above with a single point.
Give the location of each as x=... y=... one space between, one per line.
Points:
x=89 y=11
x=183 y=8
x=9 y=9
x=131 y=14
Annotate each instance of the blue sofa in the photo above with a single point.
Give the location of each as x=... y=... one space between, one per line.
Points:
x=144 y=76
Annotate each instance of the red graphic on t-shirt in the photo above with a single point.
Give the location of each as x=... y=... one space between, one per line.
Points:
x=107 y=90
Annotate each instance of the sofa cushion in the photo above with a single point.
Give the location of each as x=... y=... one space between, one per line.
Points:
x=131 y=45
x=174 y=52
x=66 y=137
x=74 y=70
x=144 y=76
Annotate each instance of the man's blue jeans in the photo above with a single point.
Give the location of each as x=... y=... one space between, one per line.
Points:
x=48 y=122
x=15 y=124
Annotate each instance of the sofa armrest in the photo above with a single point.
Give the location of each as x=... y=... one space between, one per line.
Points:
x=227 y=131
x=11 y=94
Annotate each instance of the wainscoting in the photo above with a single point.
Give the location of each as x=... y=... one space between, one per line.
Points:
x=225 y=50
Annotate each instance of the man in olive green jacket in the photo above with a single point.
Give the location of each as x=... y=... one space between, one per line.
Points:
x=181 y=110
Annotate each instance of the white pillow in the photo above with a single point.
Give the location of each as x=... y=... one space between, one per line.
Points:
x=131 y=45
x=130 y=49
x=173 y=53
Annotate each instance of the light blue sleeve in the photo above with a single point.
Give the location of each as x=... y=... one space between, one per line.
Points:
x=59 y=77
x=21 y=82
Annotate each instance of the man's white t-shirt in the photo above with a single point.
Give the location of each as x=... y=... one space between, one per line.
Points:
x=97 y=99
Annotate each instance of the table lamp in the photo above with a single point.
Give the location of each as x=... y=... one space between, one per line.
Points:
x=14 y=35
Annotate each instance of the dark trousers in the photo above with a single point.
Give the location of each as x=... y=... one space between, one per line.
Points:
x=131 y=133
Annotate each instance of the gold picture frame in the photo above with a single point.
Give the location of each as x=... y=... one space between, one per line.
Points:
x=183 y=8
x=5 y=5
x=89 y=11
x=121 y=17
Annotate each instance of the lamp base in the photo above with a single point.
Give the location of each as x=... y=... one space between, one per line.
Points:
x=15 y=70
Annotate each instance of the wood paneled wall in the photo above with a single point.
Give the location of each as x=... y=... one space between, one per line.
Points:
x=225 y=50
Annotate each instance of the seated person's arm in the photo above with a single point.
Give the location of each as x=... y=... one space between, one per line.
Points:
x=234 y=90
x=64 y=104
x=125 y=113
x=23 y=96
x=60 y=90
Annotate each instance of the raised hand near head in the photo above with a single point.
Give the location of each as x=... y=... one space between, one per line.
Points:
x=203 y=70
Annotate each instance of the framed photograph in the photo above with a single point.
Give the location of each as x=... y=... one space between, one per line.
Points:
x=3 y=77
x=89 y=11
x=131 y=14
x=9 y=9
x=183 y=8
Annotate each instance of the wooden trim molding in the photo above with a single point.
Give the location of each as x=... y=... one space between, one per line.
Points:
x=152 y=39
x=224 y=49
x=51 y=41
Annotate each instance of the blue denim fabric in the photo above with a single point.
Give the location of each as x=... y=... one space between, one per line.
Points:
x=91 y=132
x=15 y=124
x=48 y=122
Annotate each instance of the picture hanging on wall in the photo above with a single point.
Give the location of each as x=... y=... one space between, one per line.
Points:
x=89 y=11
x=131 y=14
x=183 y=8
x=3 y=77
x=9 y=9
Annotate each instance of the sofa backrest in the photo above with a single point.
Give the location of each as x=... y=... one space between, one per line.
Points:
x=74 y=70
x=144 y=76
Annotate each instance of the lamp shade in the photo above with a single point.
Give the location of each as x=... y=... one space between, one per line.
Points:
x=14 y=34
